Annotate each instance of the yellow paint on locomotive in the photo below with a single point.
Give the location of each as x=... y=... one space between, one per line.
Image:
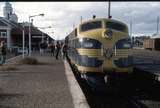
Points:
x=98 y=34
x=84 y=69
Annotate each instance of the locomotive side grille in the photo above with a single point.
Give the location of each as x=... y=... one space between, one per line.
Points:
x=90 y=52
x=121 y=53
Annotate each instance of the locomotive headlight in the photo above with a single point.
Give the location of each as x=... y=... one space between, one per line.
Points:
x=88 y=44
x=81 y=40
x=157 y=78
x=127 y=45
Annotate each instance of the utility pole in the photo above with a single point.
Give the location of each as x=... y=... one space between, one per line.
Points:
x=81 y=19
x=131 y=31
x=109 y=9
x=29 y=37
x=158 y=25
x=23 y=39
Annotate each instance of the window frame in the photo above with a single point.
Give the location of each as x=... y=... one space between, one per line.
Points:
x=2 y=35
x=101 y=23
x=124 y=30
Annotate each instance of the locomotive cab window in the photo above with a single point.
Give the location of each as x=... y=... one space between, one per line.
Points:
x=116 y=26
x=91 y=25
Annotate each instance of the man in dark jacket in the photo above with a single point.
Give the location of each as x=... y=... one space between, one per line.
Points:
x=64 y=49
x=52 y=49
x=3 y=52
x=58 y=48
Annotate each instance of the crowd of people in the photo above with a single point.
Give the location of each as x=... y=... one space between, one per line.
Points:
x=57 y=50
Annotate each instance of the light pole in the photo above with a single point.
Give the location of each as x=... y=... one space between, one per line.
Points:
x=23 y=39
x=30 y=31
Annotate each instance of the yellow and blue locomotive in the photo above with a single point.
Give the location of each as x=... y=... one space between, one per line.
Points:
x=99 y=49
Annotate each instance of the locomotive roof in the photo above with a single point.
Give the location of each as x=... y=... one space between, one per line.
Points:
x=96 y=19
x=107 y=19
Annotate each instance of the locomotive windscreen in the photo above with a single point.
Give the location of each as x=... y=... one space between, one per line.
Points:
x=91 y=25
x=116 y=26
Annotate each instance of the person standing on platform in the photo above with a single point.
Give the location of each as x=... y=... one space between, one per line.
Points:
x=61 y=50
x=41 y=48
x=52 y=49
x=45 y=47
x=3 y=52
x=64 y=49
x=57 y=49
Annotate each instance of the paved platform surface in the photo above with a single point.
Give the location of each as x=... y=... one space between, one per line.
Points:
x=35 y=86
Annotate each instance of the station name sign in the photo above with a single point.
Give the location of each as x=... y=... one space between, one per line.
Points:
x=36 y=36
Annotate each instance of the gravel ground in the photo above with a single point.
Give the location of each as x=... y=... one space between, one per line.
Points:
x=35 y=86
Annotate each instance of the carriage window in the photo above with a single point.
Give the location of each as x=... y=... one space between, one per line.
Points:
x=116 y=26
x=91 y=25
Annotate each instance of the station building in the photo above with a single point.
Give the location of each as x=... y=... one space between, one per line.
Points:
x=11 y=31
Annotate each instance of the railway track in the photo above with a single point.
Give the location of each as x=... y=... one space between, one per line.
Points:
x=104 y=100
x=96 y=100
x=143 y=97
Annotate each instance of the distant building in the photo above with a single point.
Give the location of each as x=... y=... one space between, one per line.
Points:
x=155 y=35
x=153 y=43
x=8 y=12
x=139 y=40
x=5 y=31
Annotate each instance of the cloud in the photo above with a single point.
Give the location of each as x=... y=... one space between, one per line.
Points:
x=1 y=8
x=63 y=15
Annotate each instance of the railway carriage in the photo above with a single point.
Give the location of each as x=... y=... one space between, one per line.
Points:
x=99 y=49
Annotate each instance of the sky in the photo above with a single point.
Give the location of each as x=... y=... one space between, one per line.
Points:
x=62 y=16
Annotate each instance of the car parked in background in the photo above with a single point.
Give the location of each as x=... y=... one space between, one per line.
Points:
x=20 y=50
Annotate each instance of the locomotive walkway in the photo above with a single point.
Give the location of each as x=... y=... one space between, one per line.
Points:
x=46 y=85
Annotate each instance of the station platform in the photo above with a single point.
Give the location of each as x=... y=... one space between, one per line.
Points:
x=51 y=83
x=45 y=85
